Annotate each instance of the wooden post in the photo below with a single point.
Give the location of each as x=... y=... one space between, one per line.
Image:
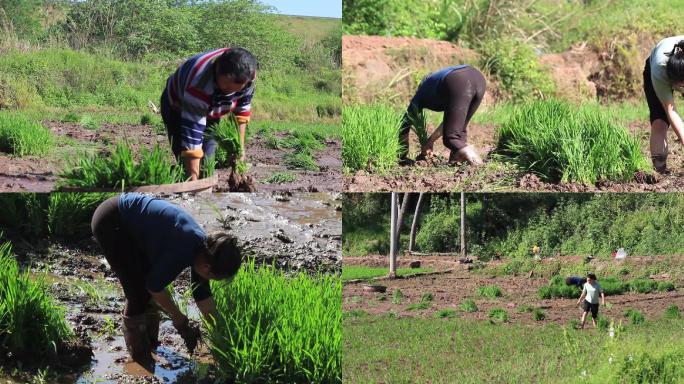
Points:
x=464 y=251
x=416 y=214
x=393 y=237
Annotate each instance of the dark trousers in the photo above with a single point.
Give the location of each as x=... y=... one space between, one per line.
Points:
x=464 y=90
x=172 y=121
x=655 y=107
x=126 y=260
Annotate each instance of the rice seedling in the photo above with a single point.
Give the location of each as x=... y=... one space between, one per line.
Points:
x=562 y=143
x=426 y=297
x=88 y=122
x=370 y=136
x=301 y=160
x=31 y=323
x=635 y=317
x=446 y=313
x=227 y=135
x=71 y=117
x=68 y=214
x=275 y=328
x=21 y=136
x=418 y=306
x=303 y=141
x=673 y=312
x=418 y=120
x=489 y=291
x=281 y=177
x=468 y=305
x=146 y=119
x=498 y=315
x=120 y=170
x=538 y=314
x=24 y=212
x=208 y=166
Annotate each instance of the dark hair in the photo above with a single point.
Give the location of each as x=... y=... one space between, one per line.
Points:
x=591 y=276
x=675 y=63
x=224 y=255
x=238 y=63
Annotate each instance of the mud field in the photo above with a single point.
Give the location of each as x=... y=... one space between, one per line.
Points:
x=300 y=233
x=373 y=62
x=452 y=288
x=36 y=174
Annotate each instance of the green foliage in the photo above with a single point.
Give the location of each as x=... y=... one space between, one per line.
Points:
x=498 y=316
x=419 y=124
x=468 y=305
x=301 y=160
x=69 y=214
x=353 y=272
x=602 y=323
x=281 y=178
x=652 y=367
x=146 y=119
x=515 y=65
x=439 y=232
x=665 y=286
x=120 y=170
x=562 y=143
x=635 y=317
x=87 y=122
x=227 y=136
x=489 y=291
x=611 y=286
x=397 y=296
x=21 y=136
x=273 y=327
x=426 y=296
x=673 y=312
x=370 y=138
x=31 y=323
x=446 y=313
x=418 y=306
x=538 y=314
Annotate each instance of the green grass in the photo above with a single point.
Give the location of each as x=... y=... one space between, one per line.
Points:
x=673 y=312
x=446 y=313
x=281 y=177
x=562 y=143
x=121 y=170
x=498 y=316
x=489 y=291
x=275 y=328
x=611 y=285
x=370 y=138
x=635 y=317
x=468 y=305
x=21 y=136
x=419 y=122
x=227 y=135
x=69 y=214
x=354 y=272
x=301 y=160
x=471 y=351
x=538 y=314
x=31 y=323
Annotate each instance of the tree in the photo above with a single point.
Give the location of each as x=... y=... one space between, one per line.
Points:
x=414 y=224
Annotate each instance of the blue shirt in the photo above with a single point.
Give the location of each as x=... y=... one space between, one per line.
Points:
x=168 y=235
x=577 y=281
x=428 y=95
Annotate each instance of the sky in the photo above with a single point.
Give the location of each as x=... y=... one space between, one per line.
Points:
x=323 y=8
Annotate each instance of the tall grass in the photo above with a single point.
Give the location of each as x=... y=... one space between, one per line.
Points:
x=69 y=214
x=611 y=286
x=31 y=323
x=21 y=136
x=370 y=136
x=275 y=328
x=120 y=170
x=419 y=122
x=563 y=143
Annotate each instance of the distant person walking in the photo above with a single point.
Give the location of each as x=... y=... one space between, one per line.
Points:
x=204 y=88
x=148 y=242
x=663 y=73
x=457 y=91
x=589 y=299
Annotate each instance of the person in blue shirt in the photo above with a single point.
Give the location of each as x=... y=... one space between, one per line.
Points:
x=576 y=281
x=148 y=242
x=457 y=91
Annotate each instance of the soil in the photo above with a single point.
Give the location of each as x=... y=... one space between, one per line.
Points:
x=301 y=233
x=451 y=289
x=37 y=174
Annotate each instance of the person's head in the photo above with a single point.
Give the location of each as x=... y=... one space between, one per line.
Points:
x=220 y=259
x=591 y=278
x=235 y=68
x=675 y=65
x=568 y=280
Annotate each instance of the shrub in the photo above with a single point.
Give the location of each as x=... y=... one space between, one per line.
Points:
x=498 y=315
x=272 y=327
x=468 y=305
x=489 y=291
x=439 y=232
x=370 y=136
x=564 y=144
x=31 y=323
x=21 y=136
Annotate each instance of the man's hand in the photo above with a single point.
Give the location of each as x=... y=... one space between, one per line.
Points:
x=189 y=330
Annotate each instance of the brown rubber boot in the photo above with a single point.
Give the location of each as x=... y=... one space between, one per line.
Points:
x=152 y=322
x=138 y=340
x=467 y=153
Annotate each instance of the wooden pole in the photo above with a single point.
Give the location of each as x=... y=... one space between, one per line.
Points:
x=393 y=237
x=416 y=214
x=464 y=251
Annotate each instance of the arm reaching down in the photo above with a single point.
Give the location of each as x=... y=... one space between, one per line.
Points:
x=675 y=120
x=427 y=149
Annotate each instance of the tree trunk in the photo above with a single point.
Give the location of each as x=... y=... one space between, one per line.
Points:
x=393 y=237
x=464 y=251
x=416 y=214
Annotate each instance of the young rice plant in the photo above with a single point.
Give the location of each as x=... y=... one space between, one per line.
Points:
x=370 y=136
x=22 y=137
x=277 y=328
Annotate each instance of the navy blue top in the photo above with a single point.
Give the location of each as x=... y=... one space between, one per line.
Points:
x=576 y=281
x=428 y=95
x=168 y=235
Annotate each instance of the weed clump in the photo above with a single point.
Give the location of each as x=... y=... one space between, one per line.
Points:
x=276 y=328
x=397 y=296
x=489 y=291
x=648 y=367
x=635 y=317
x=498 y=315
x=562 y=143
x=538 y=314
x=281 y=177
x=446 y=313
x=20 y=136
x=370 y=136
x=468 y=306
x=673 y=312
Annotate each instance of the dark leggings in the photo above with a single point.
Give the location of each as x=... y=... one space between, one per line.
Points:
x=172 y=121
x=655 y=107
x=464 y=90
x=126 y=260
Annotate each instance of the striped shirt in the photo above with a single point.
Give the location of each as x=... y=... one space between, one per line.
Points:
x=193 y=90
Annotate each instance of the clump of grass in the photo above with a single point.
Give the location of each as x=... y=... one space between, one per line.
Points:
x=611 y=286
x=498 y=315
x=665 y=286
x=673 y=312
x=370 y=136
x=397 y=296
x=301 y=160
x=468 y=306
x=146 y=119
x=426 y=297
x=21 y=136
x=648 y=367
x=120 y=170
x=87 y=122
x=418 y=306
x=446 y=313
x=418 y=120
x=31 y=323
x=71 y=117
x=538 y=314
x=489 y=291
x=275 y=328
x=603 y=323
x=281 y=177
x=524 y=308
x=635 y=317
x=562 y=143
x=303 y=141
x=68 y=214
